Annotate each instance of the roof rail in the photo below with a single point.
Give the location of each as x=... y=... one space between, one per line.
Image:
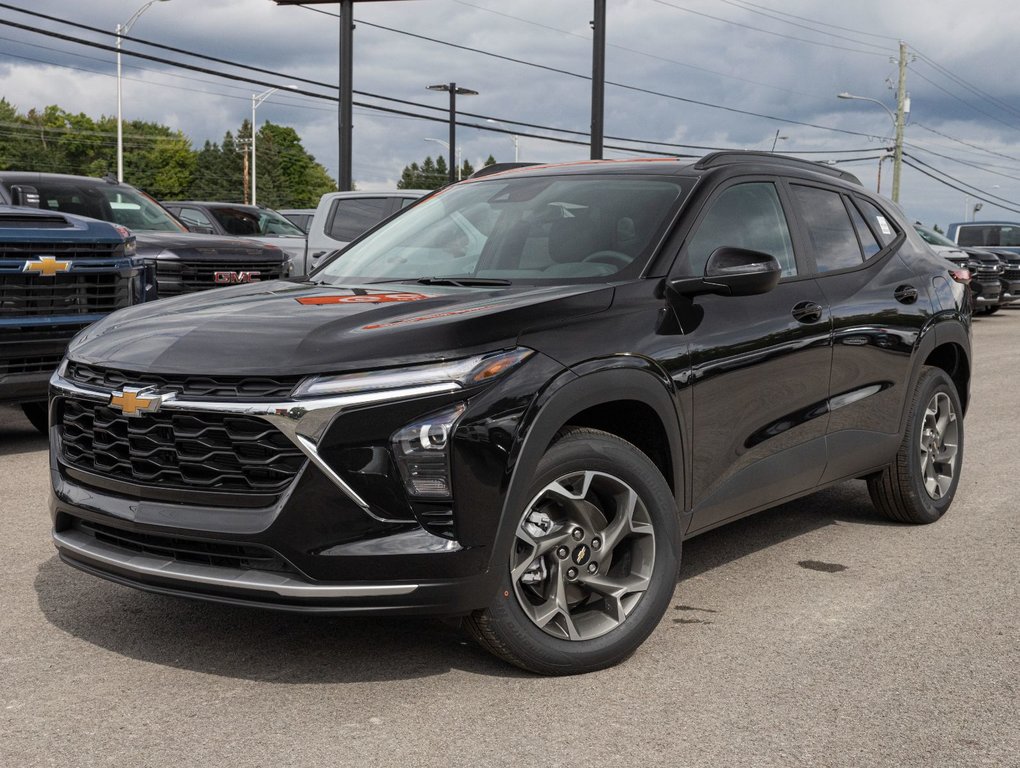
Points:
x=768 y=158
x=487 y=170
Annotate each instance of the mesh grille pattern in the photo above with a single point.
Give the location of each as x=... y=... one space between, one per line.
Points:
x=193 y=451
x=28 y=295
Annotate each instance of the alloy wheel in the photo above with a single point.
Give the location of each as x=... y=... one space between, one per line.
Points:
x=939 y=445
x=583 y=555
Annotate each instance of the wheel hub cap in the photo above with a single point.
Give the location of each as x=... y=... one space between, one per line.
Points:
x=939 y=445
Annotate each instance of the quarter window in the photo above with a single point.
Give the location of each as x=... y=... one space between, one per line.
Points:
x=881 y=224
x=832 y=235
x=744 y=216
x=869 y=244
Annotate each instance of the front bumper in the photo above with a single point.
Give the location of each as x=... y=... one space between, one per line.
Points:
x=1010 y=291
x=341 y=544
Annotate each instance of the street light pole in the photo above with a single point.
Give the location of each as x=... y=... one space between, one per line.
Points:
x=598 y=78
x=123 y=29
x=513 y=137
x=453 y=90
x=256 y=100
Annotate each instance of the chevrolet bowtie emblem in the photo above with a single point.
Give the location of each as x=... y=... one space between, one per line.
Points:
x=47 y=266
x=134 y=401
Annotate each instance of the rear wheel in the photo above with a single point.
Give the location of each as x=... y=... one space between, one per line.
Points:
x=919 y=485
x=593 y=563
x=992 y=310
x=38 y=415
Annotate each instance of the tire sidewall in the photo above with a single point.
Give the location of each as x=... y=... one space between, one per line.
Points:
x=595 y=452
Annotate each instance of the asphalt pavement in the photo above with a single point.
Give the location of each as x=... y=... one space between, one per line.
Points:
x=814 y=634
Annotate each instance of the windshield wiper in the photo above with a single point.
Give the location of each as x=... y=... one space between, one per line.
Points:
x=462 y=282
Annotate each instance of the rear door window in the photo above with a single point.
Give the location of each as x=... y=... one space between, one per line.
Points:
x=829 y=228
x=881 y=224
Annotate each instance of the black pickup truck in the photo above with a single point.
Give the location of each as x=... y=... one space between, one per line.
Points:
x=184 y=261
x=58 y=273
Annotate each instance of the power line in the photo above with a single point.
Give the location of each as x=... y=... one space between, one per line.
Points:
x=961 y=182
x=964 y=101
x=770 y=15
x=819 y=23
x=769 y=32
x=1006 y=107
x=965 y=143
x=917 y=168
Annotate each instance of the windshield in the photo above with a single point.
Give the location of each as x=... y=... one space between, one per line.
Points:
x=107 y=202
x=933 y=238
x=551 y=228
x=254 y=221
x=992 y=235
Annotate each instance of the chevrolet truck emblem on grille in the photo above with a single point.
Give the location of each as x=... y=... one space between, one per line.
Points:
x=47 y=266
x=134 y=401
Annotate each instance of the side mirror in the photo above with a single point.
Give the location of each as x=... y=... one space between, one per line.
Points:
x=24 y=195
x=732 y=272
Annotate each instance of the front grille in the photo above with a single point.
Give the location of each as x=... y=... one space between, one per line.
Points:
x=176 y=277
x=64 y=251
x=989 y=270
x=191 y=451
x=241 y=556
x=34 y=364
x=28 y=295
x=194 y=387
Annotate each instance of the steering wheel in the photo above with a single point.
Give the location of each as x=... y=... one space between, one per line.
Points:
x=614 y=258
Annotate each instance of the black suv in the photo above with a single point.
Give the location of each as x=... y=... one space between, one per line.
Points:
x=513 y=401
x=183 y=262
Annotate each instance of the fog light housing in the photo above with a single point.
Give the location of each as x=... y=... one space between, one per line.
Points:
x=422 y=453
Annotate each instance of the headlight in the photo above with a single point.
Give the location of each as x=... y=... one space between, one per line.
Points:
x=422 y=453
x=458 y=374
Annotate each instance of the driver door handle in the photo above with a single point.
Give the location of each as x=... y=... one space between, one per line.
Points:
x=807 y=312
x=905 y=294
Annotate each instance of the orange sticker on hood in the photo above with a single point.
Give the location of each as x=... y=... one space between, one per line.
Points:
x=362 y=298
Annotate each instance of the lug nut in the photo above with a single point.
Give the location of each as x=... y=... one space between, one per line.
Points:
x=577 y=533
x=593 y=567
x=562 y=553
x=596 y=544
x=571 y=573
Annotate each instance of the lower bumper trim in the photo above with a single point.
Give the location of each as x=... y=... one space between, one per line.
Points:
x=81 y=545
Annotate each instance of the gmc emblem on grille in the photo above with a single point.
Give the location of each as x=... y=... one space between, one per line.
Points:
x=228 y=278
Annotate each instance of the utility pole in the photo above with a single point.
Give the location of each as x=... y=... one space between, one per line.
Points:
x=901 y=108
x=242 y=146
x=598 y=78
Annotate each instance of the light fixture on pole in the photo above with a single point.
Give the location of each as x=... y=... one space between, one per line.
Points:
x=256 y=100
x=447 y=145
x=454 y=91
x=123 y=29
x=898 y=118
x=513 y=137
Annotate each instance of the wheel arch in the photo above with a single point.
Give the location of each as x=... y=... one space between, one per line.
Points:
x=588 y=398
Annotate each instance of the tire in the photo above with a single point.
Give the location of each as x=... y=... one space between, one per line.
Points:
x=992 y=310
x=38 y=415
x=915 y=488
x=579 y=519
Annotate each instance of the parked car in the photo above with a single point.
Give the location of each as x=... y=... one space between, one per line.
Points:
x=515 y=400
x=183 y=262
x=986 y=234
x=58 y=273
x=299 y=217
x=986 y=270
x=248 y=221
x=344 y=216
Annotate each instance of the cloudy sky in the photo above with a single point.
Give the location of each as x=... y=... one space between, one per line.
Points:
x=708 y=73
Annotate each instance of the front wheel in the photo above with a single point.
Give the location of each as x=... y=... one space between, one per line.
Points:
x=919 y=485
x=593 y=563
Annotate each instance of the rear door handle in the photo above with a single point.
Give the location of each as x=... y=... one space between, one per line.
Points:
x=807 y=312
x=905 y=294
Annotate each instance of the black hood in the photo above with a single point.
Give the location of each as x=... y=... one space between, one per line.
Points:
x=196 y=247
x=284 y=327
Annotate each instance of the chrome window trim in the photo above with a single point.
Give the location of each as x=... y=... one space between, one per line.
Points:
x=77 y=543
x=304 y=422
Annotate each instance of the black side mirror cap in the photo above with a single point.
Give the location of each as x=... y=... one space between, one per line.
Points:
x=732 y=272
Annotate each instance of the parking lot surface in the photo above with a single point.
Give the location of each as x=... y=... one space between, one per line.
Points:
x=814 y=634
